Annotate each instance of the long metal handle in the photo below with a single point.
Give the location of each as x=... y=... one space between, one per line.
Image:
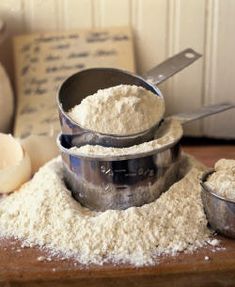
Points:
x=203 y=112
x=171 y=66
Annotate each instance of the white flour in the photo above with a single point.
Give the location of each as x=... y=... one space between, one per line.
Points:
x=43 y=212
x=170 y=132
x=119 y=110
x=222 y=181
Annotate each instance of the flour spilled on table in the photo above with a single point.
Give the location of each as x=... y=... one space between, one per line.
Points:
x=44 y=213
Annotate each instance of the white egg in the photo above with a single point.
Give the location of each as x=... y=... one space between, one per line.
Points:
x=15 y=164
x=40 y=150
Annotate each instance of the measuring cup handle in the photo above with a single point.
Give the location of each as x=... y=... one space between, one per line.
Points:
x=203 y=112
x=171 y=66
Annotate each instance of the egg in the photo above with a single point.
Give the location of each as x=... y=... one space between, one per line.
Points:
x=15 y=164
x=40 y=150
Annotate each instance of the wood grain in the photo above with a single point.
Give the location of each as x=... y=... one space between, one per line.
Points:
x=211 y=153
x=20 y=267
x=24 y=269
x=184 y=90
x=219 y=80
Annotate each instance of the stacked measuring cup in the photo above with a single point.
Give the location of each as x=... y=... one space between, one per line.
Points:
x=118 y=182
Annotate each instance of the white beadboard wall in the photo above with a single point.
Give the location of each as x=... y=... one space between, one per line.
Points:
x=161 y=28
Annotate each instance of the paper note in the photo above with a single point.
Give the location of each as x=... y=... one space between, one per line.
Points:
x=43 y=61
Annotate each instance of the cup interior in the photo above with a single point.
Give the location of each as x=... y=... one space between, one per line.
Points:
x=89 y=81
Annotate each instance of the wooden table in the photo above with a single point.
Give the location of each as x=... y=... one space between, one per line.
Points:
x=20 y=267
x=209 y=154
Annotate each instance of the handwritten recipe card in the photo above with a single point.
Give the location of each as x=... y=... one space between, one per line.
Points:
x=43 y=61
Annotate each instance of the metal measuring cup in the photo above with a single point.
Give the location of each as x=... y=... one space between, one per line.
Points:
x=102 y=182
x=220 y=211
x=74 y=89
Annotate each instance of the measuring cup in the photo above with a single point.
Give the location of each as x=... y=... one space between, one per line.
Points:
x=220 y=211
x=74 y=89
x=102 y=182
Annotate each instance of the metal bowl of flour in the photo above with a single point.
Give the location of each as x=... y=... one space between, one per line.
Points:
x=78 y=86
x=220 y=211
x=87 y=82
x=107 y=182
x=118 y=182
x=121 y=181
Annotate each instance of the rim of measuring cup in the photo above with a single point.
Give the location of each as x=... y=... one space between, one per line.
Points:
x=154 y=89
x=207 y=189
x=111 y=157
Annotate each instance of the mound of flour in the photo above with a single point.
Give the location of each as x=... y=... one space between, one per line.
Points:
x=222 y=181
x=43 y=212
x=119 y=110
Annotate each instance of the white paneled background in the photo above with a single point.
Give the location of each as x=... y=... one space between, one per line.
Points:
x=161 y=28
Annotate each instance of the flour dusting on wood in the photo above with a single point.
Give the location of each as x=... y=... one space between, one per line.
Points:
x=43 y=212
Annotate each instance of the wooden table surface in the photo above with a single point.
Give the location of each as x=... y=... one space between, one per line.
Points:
x=20 y=267
x=209 y=154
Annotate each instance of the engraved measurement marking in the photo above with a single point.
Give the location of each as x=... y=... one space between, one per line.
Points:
x=141 y=171
x=120 y=170
x=130 y=174
x=106 y=171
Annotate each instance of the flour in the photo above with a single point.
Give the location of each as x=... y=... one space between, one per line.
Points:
x=119 y=110
x=170 y=132
x=43 y=212
x=222 y=181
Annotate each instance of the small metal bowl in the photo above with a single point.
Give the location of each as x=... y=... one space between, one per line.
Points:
x=87 y=82
x=220 y=211
x=112 y=182
x=78 y=86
